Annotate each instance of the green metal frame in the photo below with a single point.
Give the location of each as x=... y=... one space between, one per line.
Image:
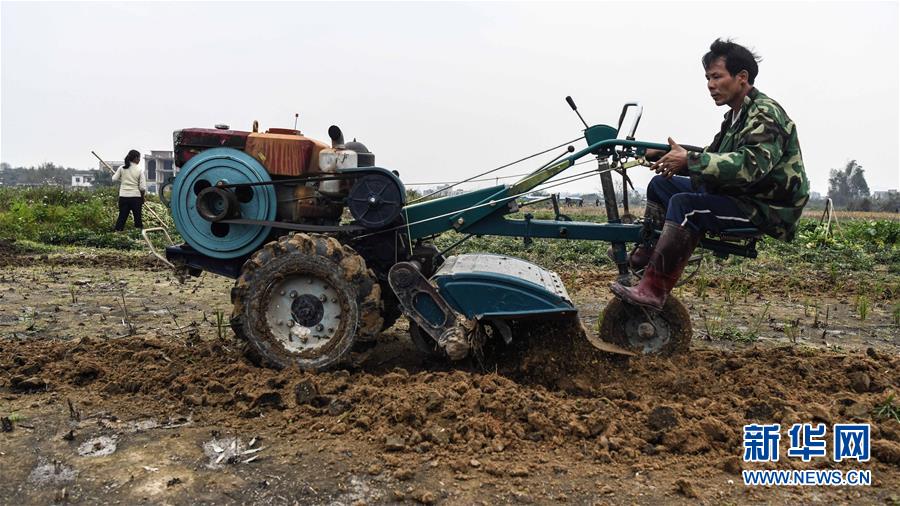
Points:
x=482 y=212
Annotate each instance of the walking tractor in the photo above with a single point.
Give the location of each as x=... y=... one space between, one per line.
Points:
x=268 y=210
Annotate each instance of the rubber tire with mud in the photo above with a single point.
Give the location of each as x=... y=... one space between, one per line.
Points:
x=392 y=310
x=305 y=254
x=617 y=314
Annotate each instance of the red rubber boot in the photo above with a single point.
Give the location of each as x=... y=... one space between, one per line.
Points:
x=667 y=262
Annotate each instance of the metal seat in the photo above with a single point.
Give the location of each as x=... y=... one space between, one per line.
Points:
x=743 y=232
x=739 y=234
x=733 y=241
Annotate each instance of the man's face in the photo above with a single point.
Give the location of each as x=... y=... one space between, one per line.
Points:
x=724 y=87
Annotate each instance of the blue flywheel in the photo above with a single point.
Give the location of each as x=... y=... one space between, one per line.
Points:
x=223 y=240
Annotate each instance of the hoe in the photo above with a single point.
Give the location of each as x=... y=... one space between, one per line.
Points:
x=269 y=209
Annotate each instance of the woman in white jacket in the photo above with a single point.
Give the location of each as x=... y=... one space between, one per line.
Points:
x=131 y=190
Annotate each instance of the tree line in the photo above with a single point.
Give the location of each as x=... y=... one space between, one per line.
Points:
x=847 y=188
x=47 y=174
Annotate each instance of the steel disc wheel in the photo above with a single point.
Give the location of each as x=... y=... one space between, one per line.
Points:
x=303 y=301
x=305 y=312
x=647 y=331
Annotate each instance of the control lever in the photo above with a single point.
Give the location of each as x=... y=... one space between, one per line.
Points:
x=574 y=108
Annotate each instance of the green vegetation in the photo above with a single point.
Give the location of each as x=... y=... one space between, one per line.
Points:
x=855 y=245
x=851 y=270
x=716 y=327
x=887 y=409
x=862 y=306
x=701 y=283
x=41 y=216
x=221 y=324
x=53 y=215
x=792 y=330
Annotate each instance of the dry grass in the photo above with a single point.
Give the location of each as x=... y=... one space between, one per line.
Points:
x=854 y=215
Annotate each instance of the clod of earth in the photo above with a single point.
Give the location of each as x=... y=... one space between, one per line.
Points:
x=52 y=473
x=100 y=446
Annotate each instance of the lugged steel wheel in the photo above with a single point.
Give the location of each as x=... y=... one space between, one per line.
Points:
x=304 y=300
x=646 y=331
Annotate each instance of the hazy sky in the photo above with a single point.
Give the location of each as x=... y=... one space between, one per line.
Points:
x=438 y=91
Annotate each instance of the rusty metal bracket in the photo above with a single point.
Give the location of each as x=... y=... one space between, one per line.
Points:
x=146 y=234
x=423 y=304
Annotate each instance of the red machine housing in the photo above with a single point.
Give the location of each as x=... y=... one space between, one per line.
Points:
x=190 y=141
x=284 y=153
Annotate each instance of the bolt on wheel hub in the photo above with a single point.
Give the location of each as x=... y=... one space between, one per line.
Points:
x=307 y=310
x=304 y=312
x=647 y=331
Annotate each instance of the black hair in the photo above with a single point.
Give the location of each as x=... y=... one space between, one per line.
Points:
x=132 y=158
x=737 y=58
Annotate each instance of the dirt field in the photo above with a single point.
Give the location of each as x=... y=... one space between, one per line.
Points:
x=155 y=403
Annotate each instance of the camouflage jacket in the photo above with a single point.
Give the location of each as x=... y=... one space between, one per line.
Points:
x=757 y=162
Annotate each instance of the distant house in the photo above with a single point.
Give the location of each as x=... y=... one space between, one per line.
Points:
x=83 y=178
x=815 y=196
x=159 y=166
x=114 y=164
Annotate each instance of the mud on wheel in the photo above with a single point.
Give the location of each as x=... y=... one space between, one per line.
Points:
x=646 y=331
x=304 y=300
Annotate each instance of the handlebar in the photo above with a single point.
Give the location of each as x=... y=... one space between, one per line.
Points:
x=608 y=143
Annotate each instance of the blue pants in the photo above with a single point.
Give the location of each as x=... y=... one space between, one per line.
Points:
x=701 y=211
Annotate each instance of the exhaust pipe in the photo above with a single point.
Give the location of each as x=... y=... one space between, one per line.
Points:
x=337 y=137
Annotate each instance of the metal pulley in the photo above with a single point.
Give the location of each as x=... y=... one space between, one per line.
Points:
x=375 y=200
x=216 y=204
x=199 y=205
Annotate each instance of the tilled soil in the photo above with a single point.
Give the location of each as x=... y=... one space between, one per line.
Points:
x=174 y=413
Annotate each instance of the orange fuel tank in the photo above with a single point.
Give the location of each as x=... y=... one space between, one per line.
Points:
x=285 y=152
